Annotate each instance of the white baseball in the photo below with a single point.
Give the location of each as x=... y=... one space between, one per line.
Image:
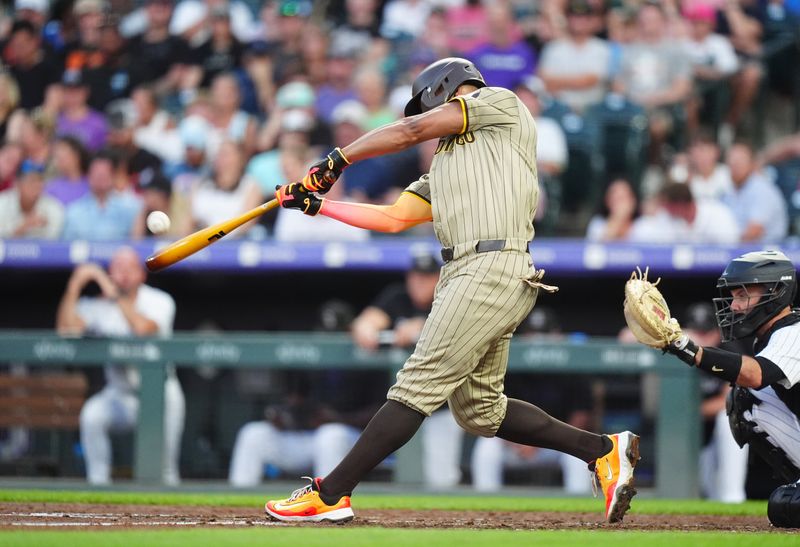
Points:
x=158 y=222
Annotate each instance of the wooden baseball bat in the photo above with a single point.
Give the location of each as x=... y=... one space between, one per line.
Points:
x=201 y=239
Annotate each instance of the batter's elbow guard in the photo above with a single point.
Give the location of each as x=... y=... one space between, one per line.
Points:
x=783 y=508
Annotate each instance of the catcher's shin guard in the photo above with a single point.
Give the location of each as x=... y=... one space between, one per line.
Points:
x=738 y=402
x=783 y=509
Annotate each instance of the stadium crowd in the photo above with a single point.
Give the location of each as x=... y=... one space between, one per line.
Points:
x=651 y=114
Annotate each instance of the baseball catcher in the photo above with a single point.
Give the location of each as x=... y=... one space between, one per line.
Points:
x=756 y=292
x=481 y=194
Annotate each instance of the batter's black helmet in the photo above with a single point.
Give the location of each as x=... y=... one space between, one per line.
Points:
x=774 y=271
x=437 y=83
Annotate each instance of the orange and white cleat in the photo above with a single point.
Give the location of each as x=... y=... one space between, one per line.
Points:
x=305 y=505
x=613 y=474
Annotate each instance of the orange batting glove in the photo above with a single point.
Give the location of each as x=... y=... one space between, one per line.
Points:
x=294 y=196
x=323 y=174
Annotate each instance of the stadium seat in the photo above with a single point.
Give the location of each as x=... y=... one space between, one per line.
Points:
x=581 y=181
x=623 y=129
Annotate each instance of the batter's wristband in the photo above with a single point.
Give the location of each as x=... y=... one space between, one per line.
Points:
x=725 y=365
x=337 y=161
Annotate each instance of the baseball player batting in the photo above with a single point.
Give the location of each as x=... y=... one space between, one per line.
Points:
x=481 y=194
x=756 y=294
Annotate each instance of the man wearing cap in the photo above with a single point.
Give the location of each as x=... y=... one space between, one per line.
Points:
x=76 y=117
x=575 y=68
x=25 y=211
x=122 y=121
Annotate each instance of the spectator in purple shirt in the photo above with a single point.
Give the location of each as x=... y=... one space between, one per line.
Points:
x=339 y=85
x=76 y=118
x=505 y=59
x=70 y=161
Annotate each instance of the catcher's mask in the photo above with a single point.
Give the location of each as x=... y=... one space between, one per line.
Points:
x=771 y=269
x=438 y=82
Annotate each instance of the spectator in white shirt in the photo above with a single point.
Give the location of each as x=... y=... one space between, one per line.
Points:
x=708 y=178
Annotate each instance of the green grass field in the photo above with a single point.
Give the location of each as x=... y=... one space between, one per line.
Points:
x=353 y=536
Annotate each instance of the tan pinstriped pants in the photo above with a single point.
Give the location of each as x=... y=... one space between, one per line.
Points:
x=462 y=354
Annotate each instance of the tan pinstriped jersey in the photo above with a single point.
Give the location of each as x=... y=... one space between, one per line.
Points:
x=483 y=182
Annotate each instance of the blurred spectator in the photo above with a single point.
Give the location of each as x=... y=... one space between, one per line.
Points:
x=113 y=78
x=551 y=143
x=156 y=192
x=576 y=68
x=315 y=55
x=228 y=192
x=222 y=52
x=125 y=307
x=616 y=215
x=723 y=465
x=287 y=44
x=155 y=130
x=404 y=19
x=122 y=120
x=190 y=12
x=466 y=26
x=339 y=85
x=621 y=23
x=784 y=149
x=84 y=52
x=255 y=79
x=370 y=85
x=269 y=168
x=294 y=96
x=712 y=57
x=359 y=30
x=316 y=421
x=740 y=21
x=568 y=398
x=190 y=22
x=102 y=214
x=504 y=59
x=30 y=65
x=193 y=134
x=37 y=132
x=33 y=11
x=11 y=156
x=366 y=180
x=25 y=211
x=708 y=178
x=70 y=161
x=228 y=121
x=656 y=75
x=682 y=219
x=159 y=57
x=9 y=100
x=395 y=319
x=756 y=202
x=76 y=118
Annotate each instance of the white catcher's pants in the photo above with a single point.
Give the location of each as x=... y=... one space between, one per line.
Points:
x=774 y=418
x=261 y=443
x=114 y=410
x=492 y=454
x=723 y=465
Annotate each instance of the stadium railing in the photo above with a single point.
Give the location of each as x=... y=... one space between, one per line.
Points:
x=677 y=422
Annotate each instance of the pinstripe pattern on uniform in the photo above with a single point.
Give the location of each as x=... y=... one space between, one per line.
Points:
x=783 y=349
x=482 y=185
x=462 y=352
x=774 y=418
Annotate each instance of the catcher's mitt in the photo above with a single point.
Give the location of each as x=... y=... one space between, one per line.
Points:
x=647 y=313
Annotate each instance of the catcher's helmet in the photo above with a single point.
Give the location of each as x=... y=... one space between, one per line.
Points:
x=774 y=271
x=437 y=83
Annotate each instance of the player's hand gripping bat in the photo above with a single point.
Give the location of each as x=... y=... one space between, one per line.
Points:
x=201 y=239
